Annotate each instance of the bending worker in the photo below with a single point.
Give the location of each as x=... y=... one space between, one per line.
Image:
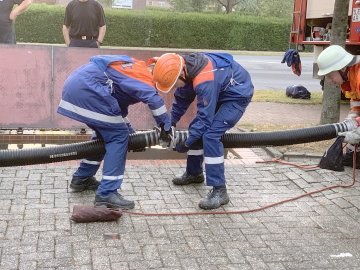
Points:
x=343 y=70
x=223 y=90
x=99 y=94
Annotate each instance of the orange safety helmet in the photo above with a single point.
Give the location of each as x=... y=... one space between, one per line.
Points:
x=167 y=71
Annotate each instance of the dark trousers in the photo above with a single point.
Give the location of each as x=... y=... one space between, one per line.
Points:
x=7 y=33
x=83 y=43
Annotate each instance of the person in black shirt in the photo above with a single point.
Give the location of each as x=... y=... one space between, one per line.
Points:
x=84 y=24
x=8 y=16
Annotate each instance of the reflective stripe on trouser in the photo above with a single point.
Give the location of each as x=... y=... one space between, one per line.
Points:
x=195 y=158
x=89 y=166
x=116 y=145
x=228 y=114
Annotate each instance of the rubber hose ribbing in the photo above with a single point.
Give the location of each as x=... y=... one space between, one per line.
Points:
x=19 y=157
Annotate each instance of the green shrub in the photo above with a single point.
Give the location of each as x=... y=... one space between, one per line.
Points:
x=41 y=24
x=151 y=28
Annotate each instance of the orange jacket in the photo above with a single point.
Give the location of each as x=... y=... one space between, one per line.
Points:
x=351 y=88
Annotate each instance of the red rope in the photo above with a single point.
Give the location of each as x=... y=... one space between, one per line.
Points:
x=259 y=208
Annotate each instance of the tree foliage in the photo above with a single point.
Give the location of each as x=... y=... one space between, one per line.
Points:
x=189 y=5
x=274 y=8
x=229 y=5
x=278 y=8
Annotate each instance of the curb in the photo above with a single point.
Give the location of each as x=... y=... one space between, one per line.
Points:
x=277 y=154
x=233 y=52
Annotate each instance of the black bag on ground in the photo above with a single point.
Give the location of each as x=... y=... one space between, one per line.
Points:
x=89 y=213
x=298 y=91
x=333 y=156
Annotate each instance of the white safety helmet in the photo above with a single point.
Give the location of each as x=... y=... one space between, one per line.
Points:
x=333 y=58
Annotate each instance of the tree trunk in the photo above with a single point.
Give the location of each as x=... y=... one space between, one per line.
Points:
x=228 y=7
x=330 y=112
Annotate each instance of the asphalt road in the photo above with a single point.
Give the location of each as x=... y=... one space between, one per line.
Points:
x=268 y=73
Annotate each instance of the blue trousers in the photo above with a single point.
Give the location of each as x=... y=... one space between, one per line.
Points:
x=226 y=117
x=116 y=145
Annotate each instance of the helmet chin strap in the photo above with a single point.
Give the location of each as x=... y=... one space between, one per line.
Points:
x=343 y=74
x=185 y=78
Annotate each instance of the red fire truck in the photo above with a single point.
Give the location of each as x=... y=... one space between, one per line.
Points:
x=311 y=25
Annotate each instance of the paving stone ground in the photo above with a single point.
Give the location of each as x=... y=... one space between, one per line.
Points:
x=321 y=231
x=262 y=113
x=317 y=232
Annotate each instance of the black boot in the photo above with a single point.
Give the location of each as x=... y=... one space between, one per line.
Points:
x=187 y=179
x=113 y=200
x=216 y=198
x=79 y=184
x=348 y=159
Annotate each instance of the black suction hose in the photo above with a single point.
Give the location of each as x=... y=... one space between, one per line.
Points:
x=276 y=138
x=18 y=157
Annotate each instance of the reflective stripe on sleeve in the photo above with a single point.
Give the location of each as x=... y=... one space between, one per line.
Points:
x=214 y=160
x=195 y=152
x=354 y=103
x=159 y=111
x=90 y=114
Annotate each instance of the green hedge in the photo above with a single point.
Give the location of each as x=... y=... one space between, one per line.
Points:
x=43 y=24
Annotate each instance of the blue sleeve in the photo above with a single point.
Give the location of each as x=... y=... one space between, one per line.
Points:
x=207 y=97
x=183 y=97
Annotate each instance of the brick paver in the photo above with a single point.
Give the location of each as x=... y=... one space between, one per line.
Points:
x=318 y=232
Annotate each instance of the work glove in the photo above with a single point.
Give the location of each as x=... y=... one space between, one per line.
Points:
x=167 y=137
x=351 y=137
x=131 y=130
x=352 y=115
x=352 y=121
x=181 y=148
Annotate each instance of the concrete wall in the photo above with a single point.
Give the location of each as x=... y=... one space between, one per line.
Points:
x=31 y=81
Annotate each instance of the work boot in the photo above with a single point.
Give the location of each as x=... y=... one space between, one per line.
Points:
x=79 y=184
x=187 y=179
x=113 y=200
x=216 y=198
x=348 y=159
